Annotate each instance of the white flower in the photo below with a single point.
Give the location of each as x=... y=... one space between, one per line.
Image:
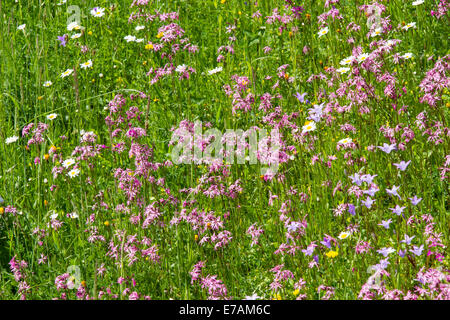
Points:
x=418 y=2
x=98 y=12
x=309 y=126
x=215 y=70
x=139 y=40
x=347 y=61
x=11 y=139
x=61 y=2
x=75 y=36
x=52 y=116
x=138 y=28
x=343 y=70
x=73 y=215
x=66 y=73
x=390 y=43
x=409 y=25
x=362 y=57
x=345 y=141
x=67 y=163
x=21 y=27
x=47 y=84
x=87 y=64
x=181 y=68
x=73 y=26
x=73 y=173
x=54 y=216
x=407 y=55
x=344 y=235
x=323 y=32
x=376 y=32
x=130 y=38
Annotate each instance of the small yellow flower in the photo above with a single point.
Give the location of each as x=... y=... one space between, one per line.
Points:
x=196 y=237
x=40 y=97
x=83 y=283
x=331 y=254
x=2 y=210
x=46 y=156
x=296 y=292
x=106 y=223
x=149 y=46
x=160 y=35
x=286 y=76
x=90 y=33
x=276 y=297
x=45 y=203
x=222 y=1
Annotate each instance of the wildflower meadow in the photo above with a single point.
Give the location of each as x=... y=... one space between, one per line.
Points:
x=224 y=149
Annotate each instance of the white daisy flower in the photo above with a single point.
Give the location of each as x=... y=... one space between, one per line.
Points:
x=418 y=2
x=75 y=36
x=409 y=25
x=323 y=32
x=345 y=141
x=47 y=84
x=138 y=28
x=309 y=126
x=376 y=32
x=87 y=64
x=139 y=40
x=344 y=235
x=52 y=116
x=21 y=27
x=73 y=215
x=73 y=26
x=11 y=139
x=347 y=61
x=130 y=38
x=67 y=163
x=343 y=70
x=215 y=70
x=363 y=57
x=73 y=173
x=98 y=12
x=407 y=55
x=66 y=73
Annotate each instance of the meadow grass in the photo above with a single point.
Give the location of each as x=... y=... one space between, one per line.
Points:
x=136 y=225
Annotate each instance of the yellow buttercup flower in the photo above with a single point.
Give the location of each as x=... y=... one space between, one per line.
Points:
x=331 y=254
